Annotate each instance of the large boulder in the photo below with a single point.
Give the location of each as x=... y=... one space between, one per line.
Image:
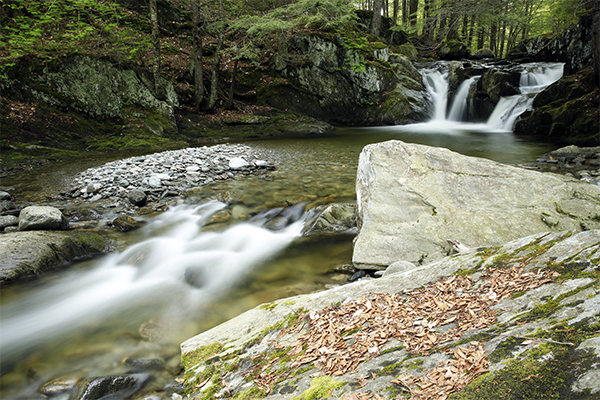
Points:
x=329 y=80
x=568 y=111
x=28 y=254
x=41 y=218
x=368 y=337
x=453 y=50
x=413 y=198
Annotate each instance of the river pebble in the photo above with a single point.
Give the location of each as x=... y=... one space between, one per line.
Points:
x=168 y=173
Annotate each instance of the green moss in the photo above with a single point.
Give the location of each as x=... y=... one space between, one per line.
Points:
x=467 y=271
x=268 y=306
x=249 y=394
x=545 y=309
x=321 y=387
x=545 y=372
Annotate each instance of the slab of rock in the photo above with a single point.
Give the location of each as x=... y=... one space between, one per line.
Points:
x=27 y=254
x=41 y=218
x=412 y=198
x=252 y=356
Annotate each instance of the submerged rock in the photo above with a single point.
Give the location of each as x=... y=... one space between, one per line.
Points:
x=109 y=387
x=412 y=198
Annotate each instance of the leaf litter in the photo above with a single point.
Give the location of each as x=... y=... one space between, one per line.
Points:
x=341 y=337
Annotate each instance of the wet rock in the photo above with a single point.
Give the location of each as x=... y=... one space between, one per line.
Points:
x=125 y=223
x=36 y=218
x=57 y=386
x=334 y=218
x=137 y=197
x=145 y=364
x=28 y=254
x=453 y=50
x=4 y=195
x=8 y=220
x=109 y=387
x=6 y=205
x=195 y=277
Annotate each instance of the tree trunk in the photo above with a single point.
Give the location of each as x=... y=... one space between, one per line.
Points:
x=414 y=6
x=404 y=12
x=212 y=100
x=232 y=86
x=429 y=22
x=480 y=37
x=197 y=56
x=155 y=47
x=376 y=21
x=493 y=32
x=596 y=42
x=396 y=5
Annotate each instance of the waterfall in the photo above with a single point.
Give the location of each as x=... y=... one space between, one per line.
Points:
x=178 y=268
x=535 y=77
x=437 y=87
x=458 y=111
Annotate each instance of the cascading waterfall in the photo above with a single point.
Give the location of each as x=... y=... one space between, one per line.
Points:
x=458 y=111
x=534 y=78
x=179 y=267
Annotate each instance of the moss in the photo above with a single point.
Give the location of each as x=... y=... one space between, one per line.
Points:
x=321 y=387
x=545 y=372
x=544 y=310
x=268 y=306
x=467 y=271
x=249 y=394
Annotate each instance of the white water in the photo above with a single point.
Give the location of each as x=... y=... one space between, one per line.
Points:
x=147 y=277
x=534 y=78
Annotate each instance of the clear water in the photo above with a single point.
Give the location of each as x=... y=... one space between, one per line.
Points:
x=86 y=321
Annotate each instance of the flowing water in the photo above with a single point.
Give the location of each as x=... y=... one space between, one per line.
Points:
x=180 y=276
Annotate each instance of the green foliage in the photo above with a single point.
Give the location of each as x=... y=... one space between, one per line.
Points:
x=53 y=28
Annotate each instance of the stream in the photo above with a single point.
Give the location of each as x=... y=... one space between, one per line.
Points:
x=112 y=314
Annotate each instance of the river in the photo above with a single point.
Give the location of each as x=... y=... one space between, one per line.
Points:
x=109 y=315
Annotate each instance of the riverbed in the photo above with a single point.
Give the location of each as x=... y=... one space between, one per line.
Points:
x=313 y=170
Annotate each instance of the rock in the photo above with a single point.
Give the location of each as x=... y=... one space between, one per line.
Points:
x=329 y=81
x=28 y=254
x=334 y=218
x=4 y=196
x=145 y=364
x=154 y=181
x=521 y=343
x=494 y=84
x=39 y=218
x=109 y=387
x=574 y=47
x=6 y=205
x=125 y=223
x=238 y=163
x=411 y=198
x=8 y=220
x=399 y=266
x=57 y=386
x=137 y=197
x=568 y=111
x=453 y=50
x=483 y=53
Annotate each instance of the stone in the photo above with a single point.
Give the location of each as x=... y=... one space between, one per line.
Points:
x=4 y=195
x=453 y=50
x=334 y=218
x=28 y=254
x=238 y=163
x=399 y=266
x=109 y=387
x=137 y=197
x=36 y=218
x=154 y=181
x=8 y=220
x=125 y=223
x=59 y=385
x=482 y=54
x=412 y=198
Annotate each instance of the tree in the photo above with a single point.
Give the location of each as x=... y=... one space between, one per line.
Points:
x=155 y=48
x=197 y=56
x=376 y=21
x=220 y=28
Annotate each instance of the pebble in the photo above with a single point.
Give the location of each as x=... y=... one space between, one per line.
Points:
x=168 y=173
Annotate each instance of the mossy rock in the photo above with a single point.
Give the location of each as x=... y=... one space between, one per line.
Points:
x=453 y=50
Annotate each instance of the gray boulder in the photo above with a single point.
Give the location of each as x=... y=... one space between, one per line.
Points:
x=41 y=218
x=333 y=218
x=109 y=387
x=27 y=254
x=8 y=220
x=137 y=197
x=412 y=198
